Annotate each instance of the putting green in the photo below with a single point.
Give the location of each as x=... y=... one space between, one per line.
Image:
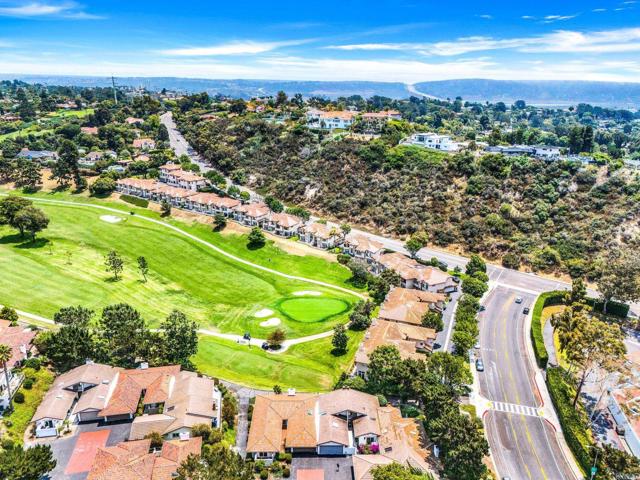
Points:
x=311 y=310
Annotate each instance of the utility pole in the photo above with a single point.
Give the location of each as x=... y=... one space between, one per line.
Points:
x=115 y=95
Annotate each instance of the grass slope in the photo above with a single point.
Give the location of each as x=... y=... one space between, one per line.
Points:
x=306 y=367
x=66 y=267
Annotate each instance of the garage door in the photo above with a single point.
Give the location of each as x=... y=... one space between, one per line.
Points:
x=88 y=416
x=331 y=450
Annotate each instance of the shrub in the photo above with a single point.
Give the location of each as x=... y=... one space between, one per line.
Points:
x=573 y=422
x=264 y=474
x=474 y=286
x=544 y=300
x=102 y=186
x=138 y=202
x=18 y=397
x=28 y=383
x=343 y=258
x=33 y=363
x=382 y=400
x=286 y=473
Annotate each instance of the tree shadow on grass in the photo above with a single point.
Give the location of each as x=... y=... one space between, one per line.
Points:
x=255 y=246
x=23 y=242
x=112 y=279
x=338 y=352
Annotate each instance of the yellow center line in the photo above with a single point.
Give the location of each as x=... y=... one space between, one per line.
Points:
x=508 y=359
x=513 y=431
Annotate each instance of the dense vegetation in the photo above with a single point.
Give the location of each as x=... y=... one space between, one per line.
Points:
x=548 y=216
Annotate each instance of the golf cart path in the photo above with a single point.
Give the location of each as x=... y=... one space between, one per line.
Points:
x=237 y=338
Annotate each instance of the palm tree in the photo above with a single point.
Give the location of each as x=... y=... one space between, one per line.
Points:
x=5 y=355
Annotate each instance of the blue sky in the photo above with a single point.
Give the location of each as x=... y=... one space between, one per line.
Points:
x=402 y=40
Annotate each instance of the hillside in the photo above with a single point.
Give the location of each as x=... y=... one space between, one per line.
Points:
x=548 y=216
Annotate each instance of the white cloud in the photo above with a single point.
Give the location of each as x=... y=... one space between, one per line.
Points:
x=599 y=10
x=69 y=10
x=486 y=17
x=246 y=47
x=558 y=18
x=559 y=41
x=528 y=17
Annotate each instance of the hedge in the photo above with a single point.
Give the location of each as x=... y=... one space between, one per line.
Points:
x=616 y=309
x=138 y=202
x=573 y=422
x=546 y=299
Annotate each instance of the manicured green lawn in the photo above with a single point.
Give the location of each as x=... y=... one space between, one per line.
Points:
x=66 y=267
x=16 y=423
x=307 y=367
x=32 y=130
x=312 y=309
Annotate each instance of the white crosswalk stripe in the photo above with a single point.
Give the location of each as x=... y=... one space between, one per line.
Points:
x=515 y=409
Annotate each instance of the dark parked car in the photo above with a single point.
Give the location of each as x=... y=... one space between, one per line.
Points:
x=479 y=365
x=620 y=430
x=265 y=345
x=482 y=308
x=525 y=310
x=247 y=336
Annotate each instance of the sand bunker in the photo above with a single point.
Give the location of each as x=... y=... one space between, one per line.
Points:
x=272 y=322
x=265 y=312
x=110 y=218
x=312 y=293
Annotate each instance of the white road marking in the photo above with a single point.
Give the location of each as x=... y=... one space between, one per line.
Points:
x=515 y=409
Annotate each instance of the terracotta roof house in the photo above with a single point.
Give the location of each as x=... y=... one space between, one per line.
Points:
x=19 y=339
x=144 y=144
x=330 y=120
x=175 y=176
x=135 y=461
x=283 y=224
x=362 y=247
x=399 y=323
x=319 y=235
x=89 y=130
x=409 y=306
x=414 y=274
x=342 y=422
x=171 y=401
x=134 y=121
x=251 y=214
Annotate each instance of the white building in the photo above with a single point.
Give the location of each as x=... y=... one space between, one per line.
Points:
x=330 y=120
x=433 y=141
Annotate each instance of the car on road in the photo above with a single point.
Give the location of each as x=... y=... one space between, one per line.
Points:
x=525 y=310
x=479 y=365
x=518 y=299
x=247 y=336
x=436 y=346
x=456 y=279
x=482 y=308
x=265 y=345
x=620 y=430
x=477 y=346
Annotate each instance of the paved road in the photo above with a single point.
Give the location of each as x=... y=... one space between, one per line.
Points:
x=523 y=444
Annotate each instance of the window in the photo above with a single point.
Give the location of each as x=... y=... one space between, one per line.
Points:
x=285 y=423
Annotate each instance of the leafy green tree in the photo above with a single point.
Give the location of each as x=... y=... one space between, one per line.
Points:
x=474 y=287
x=620 y=277
x=476 y=264
x=359 y=273
x=594 y=345
x=379 y=286
x=80 y=316
x=70 y=346
x=28 y=175
x=165 y=208
x=102 y=186
x=219 y=222
x=8 y=313
x=216 y=463
x=143 y=267
x=413 y=246
x=462 y=342
x=31 y=220
x=10 y=206
x=66 y=168
x=256 y=238
x=274 y=204
x=451 y=371
x=433 y=319
x=382 y=374
x=395 y=471
x=340 y=339
x=276 y=338
x=32 y=463
x=114 y=263
x=122 y=332
x=179 y=339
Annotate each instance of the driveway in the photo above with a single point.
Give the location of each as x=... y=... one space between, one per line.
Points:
x=63 y=447
x=334 y=468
